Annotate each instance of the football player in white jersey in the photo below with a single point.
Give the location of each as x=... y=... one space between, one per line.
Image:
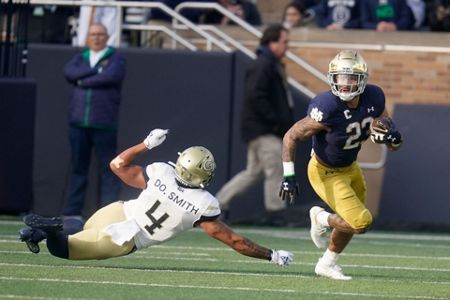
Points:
x=172 y=201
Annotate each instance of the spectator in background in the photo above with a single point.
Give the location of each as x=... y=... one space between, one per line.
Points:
x=192 y=15
x=418 y=10
x=338 y=14
x=439 y=17
x=296 y=15
x=96 y=75
x=386 y=15
x=244 y=9
x=95 y=15
x=266 y=115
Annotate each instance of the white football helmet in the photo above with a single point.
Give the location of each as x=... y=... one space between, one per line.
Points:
x=347 y=75
x=195 y=167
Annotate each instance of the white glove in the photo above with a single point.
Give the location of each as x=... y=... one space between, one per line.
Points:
x=155 y=138
x=281 y=257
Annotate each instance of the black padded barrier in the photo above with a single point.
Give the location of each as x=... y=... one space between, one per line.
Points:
x=416 y=185
x=186 y=92
x=196 y=95
x=17 y=104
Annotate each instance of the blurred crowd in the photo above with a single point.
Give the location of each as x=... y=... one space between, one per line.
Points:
x=68 y=25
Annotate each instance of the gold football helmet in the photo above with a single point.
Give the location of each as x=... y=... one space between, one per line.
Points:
x=347 y=74
x=195 y=167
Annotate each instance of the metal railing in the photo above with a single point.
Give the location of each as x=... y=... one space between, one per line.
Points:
x=180 y=22
x=247 y=27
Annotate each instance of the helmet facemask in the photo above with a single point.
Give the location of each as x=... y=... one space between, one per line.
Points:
x=347 y=75
x=195 y=167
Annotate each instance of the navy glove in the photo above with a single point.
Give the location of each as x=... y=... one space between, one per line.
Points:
x=393 y=138
x=289 y=189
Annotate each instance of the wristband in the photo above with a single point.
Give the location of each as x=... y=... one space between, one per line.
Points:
x=288 y=168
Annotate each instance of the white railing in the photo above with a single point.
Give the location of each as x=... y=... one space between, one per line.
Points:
x=249 y=28
x=180 y=22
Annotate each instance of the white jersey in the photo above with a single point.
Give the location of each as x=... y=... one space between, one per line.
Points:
x=165 y=209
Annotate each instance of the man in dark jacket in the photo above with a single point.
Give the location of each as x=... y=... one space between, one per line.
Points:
x=96 y=75
x=338 y=15
x=267 y=114
x=386 y=15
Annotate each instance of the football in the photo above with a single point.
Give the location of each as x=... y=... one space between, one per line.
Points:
x=381 y=125
x=378 y=128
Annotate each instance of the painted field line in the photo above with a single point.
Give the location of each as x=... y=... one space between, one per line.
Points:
x=289 y=233
x=225 y=273
x=378 y=296
x=182 y=286
x=251 y=261
x=14 y=296
x=145 y=254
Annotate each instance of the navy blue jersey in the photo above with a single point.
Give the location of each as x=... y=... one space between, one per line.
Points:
x=349 y=127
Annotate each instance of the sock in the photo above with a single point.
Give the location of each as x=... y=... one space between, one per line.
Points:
x=322 y=218
x=330 y=257
x=58 y=244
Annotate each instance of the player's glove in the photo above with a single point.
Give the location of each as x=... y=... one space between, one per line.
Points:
x=289 y=189
x=281 y=257
x=383 y=131
x=393 y=138
x=155 y=138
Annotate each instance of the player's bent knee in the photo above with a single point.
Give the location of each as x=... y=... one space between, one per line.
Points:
x=362 y=222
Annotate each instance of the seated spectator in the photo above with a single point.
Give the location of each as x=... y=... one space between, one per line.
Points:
x=418 y=10
x=192 y=15
x=338 y=14
x=439 y=16
x=296 y=15
x=386 y=15
x=244 y=9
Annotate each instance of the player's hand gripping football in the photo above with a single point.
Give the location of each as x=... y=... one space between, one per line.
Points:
x=289 y=189
x=155 y=138
x=281 y=257
x=383 y=131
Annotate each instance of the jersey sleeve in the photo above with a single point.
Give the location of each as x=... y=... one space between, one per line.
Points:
x=321 y=109
x=379 y=100
x=211 y=213
x=213 y=208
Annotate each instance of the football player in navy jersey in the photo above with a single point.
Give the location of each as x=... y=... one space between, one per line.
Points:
x=338 y=121
x=173 y=200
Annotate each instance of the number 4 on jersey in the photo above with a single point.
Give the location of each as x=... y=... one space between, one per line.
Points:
x=156 y=223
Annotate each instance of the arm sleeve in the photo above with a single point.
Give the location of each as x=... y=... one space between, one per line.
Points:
x=354 y=22
x=257 y=86
x=111 y=74
x=77 y=69
x=405 y=19
x=367 y=16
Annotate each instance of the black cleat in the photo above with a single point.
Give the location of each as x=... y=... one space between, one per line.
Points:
x=32 y=237
x=53 y=224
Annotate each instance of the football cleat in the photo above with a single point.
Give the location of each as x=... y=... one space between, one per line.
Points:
x=32 y=237
x=332 y=271
x=317 y=232
x=46 y=224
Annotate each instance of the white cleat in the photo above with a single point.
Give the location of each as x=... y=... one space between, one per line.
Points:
x=330 y=271
x=318 y=232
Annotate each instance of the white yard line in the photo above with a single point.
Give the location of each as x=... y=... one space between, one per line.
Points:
x=225 y=273
x=199 y=251
x=182 y=286
x=149 y=284
x=378 y=296
x=12 y=296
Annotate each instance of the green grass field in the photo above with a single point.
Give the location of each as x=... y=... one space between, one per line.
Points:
x=383 y=265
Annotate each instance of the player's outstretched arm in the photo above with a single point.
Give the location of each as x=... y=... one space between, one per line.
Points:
x=122 y=166
x=243 y=245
